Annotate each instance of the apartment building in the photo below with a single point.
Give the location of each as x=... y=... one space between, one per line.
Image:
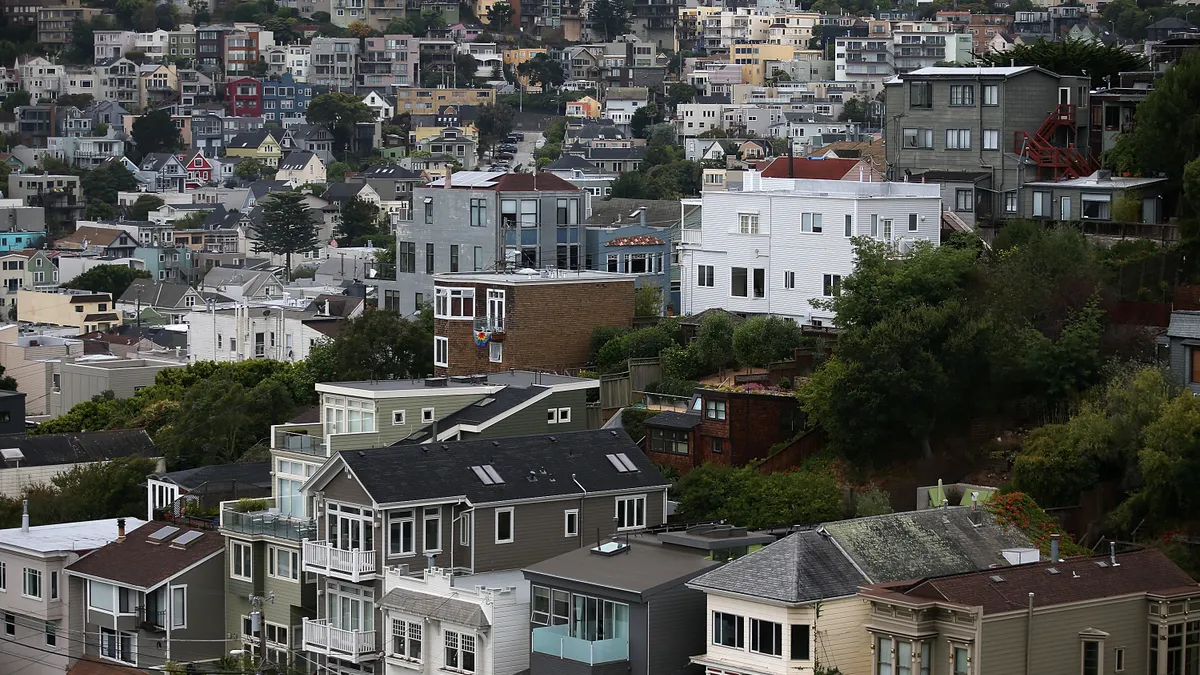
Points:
x=420 y=101
x=22 y=356
x=60 y=195
x=257 y=331
x=782 y=242
x=54 y=23
x=334 y=63
x=73 y=380
x=37 y=622
x=83 y=310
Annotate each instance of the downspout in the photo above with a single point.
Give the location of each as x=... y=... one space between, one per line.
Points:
x=989 y=167
x=581 y=498
x=1029 y=638
x=469 y=512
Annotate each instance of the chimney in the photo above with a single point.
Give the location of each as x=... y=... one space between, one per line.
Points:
x=120 y=529
x=791 y=159
x=1054 y=547
x=449 y=172
x=25 y=516
x=1112 y=554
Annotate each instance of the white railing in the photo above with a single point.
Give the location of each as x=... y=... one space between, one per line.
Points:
x=323 y=638
x=690 y=237
x=322 y=558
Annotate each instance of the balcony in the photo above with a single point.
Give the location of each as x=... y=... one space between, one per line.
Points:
x=305 y=444
x=555 y=641
x=152 y=620
x=266 y=523
x=320 y=557
x=691 y=237
x=348 y=645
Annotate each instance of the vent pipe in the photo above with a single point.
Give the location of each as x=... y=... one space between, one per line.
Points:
x=120 y=529
x=25 y=516
x=1112 y=554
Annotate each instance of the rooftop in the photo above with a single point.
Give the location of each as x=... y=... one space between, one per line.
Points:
x=506 y=182
x=532 y=276
x=78 y=448
x=430 y=386
x=82 y=536
x=251 y=473
x=1101 y=180
x=643 y=568
x=161 y=552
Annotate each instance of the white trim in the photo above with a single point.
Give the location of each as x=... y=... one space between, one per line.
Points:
x=171 y=602
x=234 y=544
x=476 y=428
x=512 y=525
x=401 y=413
x=273 y=552
x=428 y=415
x=567 y=523
x=482 y=390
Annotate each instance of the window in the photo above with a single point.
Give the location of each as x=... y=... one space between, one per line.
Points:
x=541 y=606
x=670 y=441
x=1041 y=205
x=54 y=585
x=51 y=634
x=964 y=200
x=398 y=418
x=433 y=530
x=1065 y=212
x=179 y=606
x=883 y=656
x=117 y=645
x=1010 y=202
x=406 y=257
x=789 y=280
x=1096 y=207
x=406 y=640
x=504 y=526
x=429 y=258
x=991 y=139
x=631 y=513
x=738 y=282
x=991 y=94
x=962 y=661
x=958 y=139
x=760 y=282
x=401 y=533
x=428 y=211
x=240 y=559
x=704 y=275
x=748 y=223
x=283 y=563
x=962 y=94
x=727 y=630
x=454 y=257
x=800 y=642
x=832 y=283
x=918 y=138
x=849 y=228
x=717 y=446
x=441 y=351
x=1091 y=657
x=496 y=352
x=31 y=583
x=766 y=637
x=427 y=415
x=453 y=303
x=477 y=258
x=10 y=624
x=887 y=229
x=1119 y=660
x=912 y=222
x=920 y=94
x=810 y=222
x=460 y=652
x=714 y=410
x=571 y=523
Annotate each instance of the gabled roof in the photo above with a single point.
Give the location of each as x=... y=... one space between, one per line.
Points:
x=250 y=139
x=802 y=567
x=156 y=161
x=296 y=160
x=810 y=168
x=389 y=172
x=94 y=236
x=257 y=474
x=233 y=276
x=340 y=192
x=151 y=293
x=146 y=563
x=569 y=162
x=337 y=305
x=80 y=448
x=451 y=610
x=530 y=467
x=623 y=211
x=626 y=154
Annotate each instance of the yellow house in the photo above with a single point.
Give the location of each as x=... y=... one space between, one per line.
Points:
x=260 y=145
x=301 y=167
x=586 y=107
x=83 y=310
x=515 y=57
x=753 y=57
x=424 y=133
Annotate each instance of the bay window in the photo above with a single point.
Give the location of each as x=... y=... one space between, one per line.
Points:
x=727 y=630
x=766 y=637
x=883 y=656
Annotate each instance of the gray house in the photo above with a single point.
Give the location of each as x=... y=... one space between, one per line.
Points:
x=1100 y=197
x=472 y=506
x=1183 y=348
x=149 y=597
x=79 y=379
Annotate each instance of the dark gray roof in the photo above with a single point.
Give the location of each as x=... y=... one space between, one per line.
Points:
x=500 y=402
x=675 y=420
x=457 y=612
x=156 y=160
x=79 y=448
x=339 y=192
x=250 y=473
x=261 y=188
x=1170 y=22
x=152 y=293
x=616 y=211
x=390 y=172
x=570 y=162
x=617 y=153
x=530 y=466
x=1184 y=324
x=929 y=543
x=644 y=569
x=801 y=567
x=296 y=160
x=250 y=139
x=715 y=98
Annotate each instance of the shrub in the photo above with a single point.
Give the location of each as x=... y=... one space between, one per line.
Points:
x=1019 y=510
x=873 y=502
x=634 y=421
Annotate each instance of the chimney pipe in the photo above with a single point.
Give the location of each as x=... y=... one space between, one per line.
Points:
x=791 y=159
x=1054 y=547
x=120 y=529
x=25 y=515
x=1112 y=554
x=974 y=501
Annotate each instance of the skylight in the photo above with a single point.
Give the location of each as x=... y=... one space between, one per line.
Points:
x=487 y=401
x=622 y=463
x=187 y=538
x=163 y=533
x=610 y=548
x=487 y=475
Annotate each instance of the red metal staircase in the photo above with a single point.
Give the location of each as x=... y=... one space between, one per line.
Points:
x=1056 y=162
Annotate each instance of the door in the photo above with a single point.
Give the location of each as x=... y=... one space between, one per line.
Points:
x=1064 y=211
x=1064 y=95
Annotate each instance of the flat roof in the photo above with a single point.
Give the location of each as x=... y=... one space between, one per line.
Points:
x=1095 y=182
x=642 y=569
x=483 y=384
x=531 y=276
x=82 y=536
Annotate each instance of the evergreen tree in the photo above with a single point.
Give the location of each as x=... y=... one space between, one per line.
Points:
x=287 y=227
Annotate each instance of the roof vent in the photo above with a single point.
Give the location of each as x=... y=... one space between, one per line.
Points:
x=1052 y=570
x=436 y=382
x=1101 y=563
x=997 y=578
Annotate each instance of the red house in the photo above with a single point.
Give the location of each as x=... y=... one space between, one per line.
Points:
x=243 y=97
x=199 y=170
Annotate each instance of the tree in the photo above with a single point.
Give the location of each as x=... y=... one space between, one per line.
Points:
x=104 y=182
x=1103 y=63
x=99 y=490
x=855 y=110
x=99 y=211
x=360 y=30
x=680 y=92
x=610 y=18
x=762 y=340
x=336 y=172
x=81 y=49
x=376 y=345
x=287 y=227
x=643 y=117
x=339 y=112
x=254 y=169
x=193 y=220
x=143 y=206
x=111 y=279
x=77 y=100
x=544 y=71
x=494 y=122
x=246 y=414
x=465 y=68
x=499 y=15
x=15 y=99
x=1170 y=460
x=647 y=300
x=155 y=131
x=746 y=497
x=358 y=220
x=638 y=344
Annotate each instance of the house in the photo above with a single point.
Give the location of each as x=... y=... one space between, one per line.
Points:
x=480 y=505
x=1098 y=197
x=486 y=322
x=72 y=380
x=726 y=266
x=107 y=242
x=382 y=105
x=200 y=170
x=633 y=249
x=243 y=96
x=260 y=145
x=171 y=494
x=793 y=605
x=337 y=193
x=622 y=102
x=821 y=168
x=1087 y=615
x=22 y=354
x=82 y=310
x=14 y=275
x=38 y=458
x=241 y=284
x=37 y=618
x=157 y=610
x=314 y=138
x=262 y=332
x=162 y=172
x=60 y=196
x=300 y=167
x=586 y=107
x=646 y=619
x=156 y=302
x=452 y=141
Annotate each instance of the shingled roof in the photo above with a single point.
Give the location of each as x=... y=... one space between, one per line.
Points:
x=81 y=447
x=157 y=559
x=801 y=567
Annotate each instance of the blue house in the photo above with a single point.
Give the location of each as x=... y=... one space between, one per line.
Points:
x=167 y=263
x=286 y=101
x=633 y=249
x=15 y=241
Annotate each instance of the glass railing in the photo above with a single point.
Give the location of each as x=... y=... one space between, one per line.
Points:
x=267 y=523
x=302 y=443
x=555 y=641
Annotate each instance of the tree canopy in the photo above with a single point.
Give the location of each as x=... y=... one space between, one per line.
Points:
x=610 y=18
x=287 y=227
x=1103 y=63
x=155 y=131
x=358 y=220
x=379 y=345
x=112 y=279
x=339 y=111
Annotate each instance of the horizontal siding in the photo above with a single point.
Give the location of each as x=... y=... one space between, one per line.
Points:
x=839 y=640
x=510 y=638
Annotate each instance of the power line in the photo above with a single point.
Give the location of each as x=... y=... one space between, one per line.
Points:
x=124 y=667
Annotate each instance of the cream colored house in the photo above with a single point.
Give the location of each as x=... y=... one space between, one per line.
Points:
x=84 y=310
x=300 y=167
x=792 y=607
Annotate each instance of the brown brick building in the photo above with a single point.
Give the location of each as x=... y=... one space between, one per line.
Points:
x=724 y=427
x=542 y=319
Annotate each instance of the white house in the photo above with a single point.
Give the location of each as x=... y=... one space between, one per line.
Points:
x=256 y=331
x=781 y=243
x=485 y=617
x=622 y=102
x=383 y=106
x=300 y=167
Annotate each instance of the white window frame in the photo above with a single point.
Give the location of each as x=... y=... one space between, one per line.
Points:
x=789 y=280
x=273 y=563
x=753 y=635
x=512 y=525
x=748 y=223
x=398 y=418
x=409 y=632
x=428 y=415
x=811 y=223
x=236 y=558
x=398 y=517
x=458 y=640
x=443 y=303
x=564 y=415
x=428 y=514
x=958 y=139
x=441 y=351
x=495 y=352
x=629 y=506
x=551 y=415
x=178 y=618
x=568 y=530
x=28 y=573
x=991 y=139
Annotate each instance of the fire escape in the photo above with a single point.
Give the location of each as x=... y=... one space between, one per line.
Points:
x=1045 y=148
